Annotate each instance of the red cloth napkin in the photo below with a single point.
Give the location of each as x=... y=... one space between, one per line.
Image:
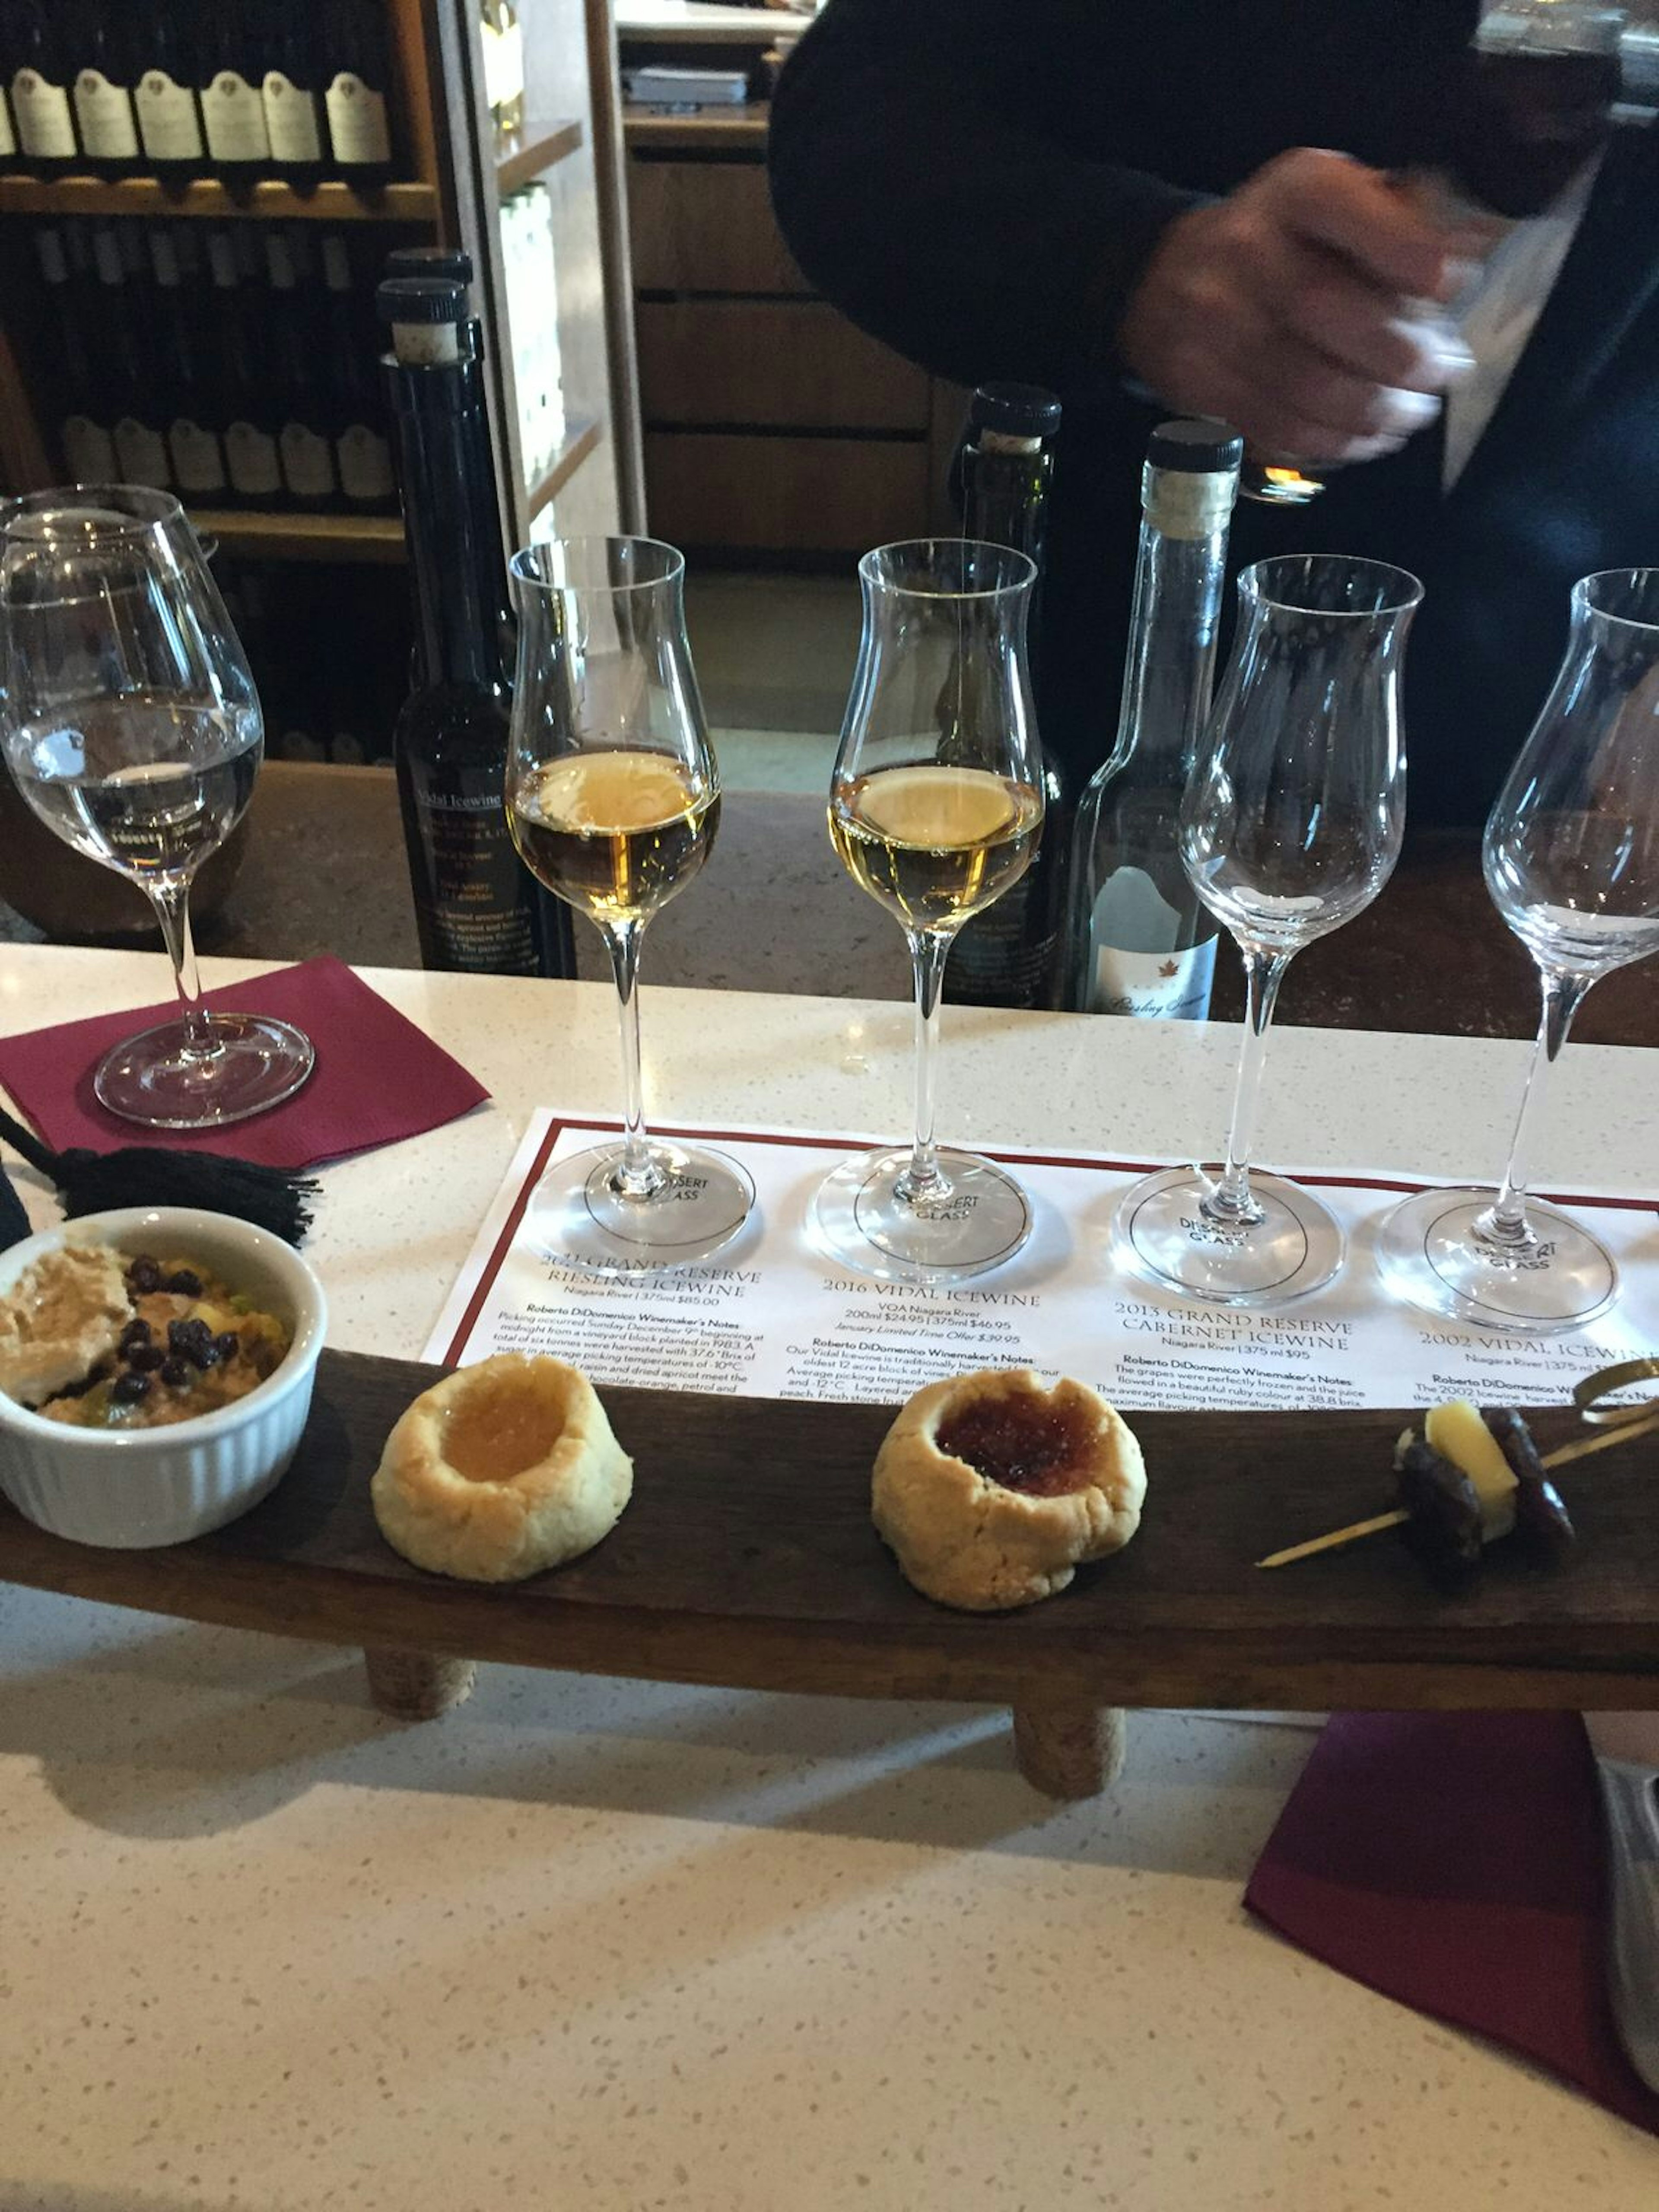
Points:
x=1455 y=1860
x=378 y=1079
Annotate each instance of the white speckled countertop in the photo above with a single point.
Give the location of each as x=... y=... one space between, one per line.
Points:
x=606 y=1946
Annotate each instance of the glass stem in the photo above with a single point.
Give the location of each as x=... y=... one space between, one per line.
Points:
x=171 y=900
x=637 y=1175
x=1506 y=1221
x=1231 y=1200
x=924 y=1179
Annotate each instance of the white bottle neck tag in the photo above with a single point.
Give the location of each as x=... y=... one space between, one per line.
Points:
x=167 y=118
x=89 y=451
x=251 y=456
x=365 y=464
x=234 y=113
x=142 y=454
x=291 y=120
x=105 y=110
x=44 y=125
x=8 y=135
x=356 y=122
x=197 y=458
x=307 y=463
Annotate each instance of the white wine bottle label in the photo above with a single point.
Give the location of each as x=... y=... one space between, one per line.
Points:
x=1163 y=987
x=291 y=120
x=234 y=113
x=198 y=460
x=45 y=127
x=89 y=452
x=168 y=121
x=251 y=456
x=142 y=454
x=105 y=114
x=366 y=465
x=307 y=463
x=8 y=135
x=356 y=122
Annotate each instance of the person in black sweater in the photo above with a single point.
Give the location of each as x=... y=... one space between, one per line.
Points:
x=1184 y=206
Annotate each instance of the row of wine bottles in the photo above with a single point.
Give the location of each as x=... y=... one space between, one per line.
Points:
x=242 y=90
x=235 y=366
x=338 y=706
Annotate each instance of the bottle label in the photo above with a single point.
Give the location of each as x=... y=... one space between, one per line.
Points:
x=198 y=460
x=142 y=454
x=291 y=122
x=251 y=456
x=8 y=135
x=234 y=113
x=1164 y=987
x=471 y=889
x=89 y=452
x=45 y=125
x=167 y=118
x=503 y=65
x=366 y=465
x=105 y=114
x=1006 y=956
x=307 y=463
x=356 y=122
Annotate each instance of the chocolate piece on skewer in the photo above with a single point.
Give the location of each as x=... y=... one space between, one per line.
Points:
x=1541 y=1519
x=1444 y=1525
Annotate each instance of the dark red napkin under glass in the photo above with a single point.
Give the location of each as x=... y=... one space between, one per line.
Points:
x=378 y=1079
x=1455 y=1861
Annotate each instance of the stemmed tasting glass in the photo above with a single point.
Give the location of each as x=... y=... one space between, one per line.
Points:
x=1571 y=859
x=130 y=724
x=613 y=798
x=935 y=810
x=1290 y=826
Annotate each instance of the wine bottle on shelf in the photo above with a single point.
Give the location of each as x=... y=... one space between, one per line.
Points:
x=105 y=67
x=240 y=383
x=164 y=95
x=304 y=445
x=193 y=443
x=1142 y=941
x=352 y=34
x=476 y=905
x=9 y=157
x=231 y=51
x=140 y=451
x=1011 y=955
x=88 y=449
x=293 y=97
x=362 y=455
x=42 y=112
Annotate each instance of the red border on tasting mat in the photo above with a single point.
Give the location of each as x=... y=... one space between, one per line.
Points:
x=556 y=1128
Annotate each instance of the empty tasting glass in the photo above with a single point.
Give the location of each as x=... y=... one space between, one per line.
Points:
x=1572 y=859
x=1290 y=826
x=935 y=810
x=131 y=723
x=613 y=799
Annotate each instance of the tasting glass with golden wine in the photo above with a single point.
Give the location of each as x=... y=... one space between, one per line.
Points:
x=613 y=798
x=935 y=810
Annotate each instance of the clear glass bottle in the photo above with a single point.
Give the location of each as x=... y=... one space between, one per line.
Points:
x=1140 y=940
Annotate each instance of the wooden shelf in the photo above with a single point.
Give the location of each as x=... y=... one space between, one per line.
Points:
x=545 y=145
x=710 y=127
x=146 y=196
x=582 y=440
x=274 y=536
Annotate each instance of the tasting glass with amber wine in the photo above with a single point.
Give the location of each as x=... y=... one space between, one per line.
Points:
x=613 y=798
x=935 y=810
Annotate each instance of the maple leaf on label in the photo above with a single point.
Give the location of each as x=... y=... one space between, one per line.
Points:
x=1170 y=968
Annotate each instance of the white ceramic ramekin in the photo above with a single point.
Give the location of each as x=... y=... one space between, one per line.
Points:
x=134 y=1488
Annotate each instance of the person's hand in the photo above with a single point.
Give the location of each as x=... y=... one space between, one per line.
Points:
x=1294 y=309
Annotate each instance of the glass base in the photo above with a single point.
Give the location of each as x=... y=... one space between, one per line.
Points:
x=580 y=1209
x=155 y=1079
x=1160 y=1231
x=1429 y=1256
x=980 y=1218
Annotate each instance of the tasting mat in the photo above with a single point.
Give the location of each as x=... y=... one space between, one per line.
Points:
x=1455 y=1860
x=377 y=1080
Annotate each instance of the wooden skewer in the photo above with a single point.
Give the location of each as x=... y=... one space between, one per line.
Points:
x=1335 y=1538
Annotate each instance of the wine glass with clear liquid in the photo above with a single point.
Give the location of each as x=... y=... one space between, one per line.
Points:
x=1571 y=860
x=935 y=810
x=1290 y=826
x=613 y=799
x=130 y=724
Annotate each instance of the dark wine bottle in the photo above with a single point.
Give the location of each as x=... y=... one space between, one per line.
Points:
x=306 y=450
x=193 y=443
x=357 y=79
x=241 y=384
x=1011 y=955
x=164 y=96
x=231 y=58
x=293 y=97
x=141 y=450
x=355 y=407
x=88 y=450
x=477 y=907
x=105 y=69
x=42 y=72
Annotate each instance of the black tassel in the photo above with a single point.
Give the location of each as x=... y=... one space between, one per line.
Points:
x=13 y=1222
x=94 y=1182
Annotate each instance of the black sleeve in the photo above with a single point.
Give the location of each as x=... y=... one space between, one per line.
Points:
x=939 y=169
